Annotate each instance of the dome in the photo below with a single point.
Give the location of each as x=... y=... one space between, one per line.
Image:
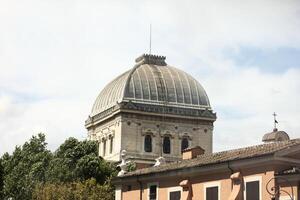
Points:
x=152 y=81
x=276 y=136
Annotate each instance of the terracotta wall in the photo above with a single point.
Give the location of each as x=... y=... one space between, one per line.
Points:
x=199 y=183
x=132 y=194
x=287 y=189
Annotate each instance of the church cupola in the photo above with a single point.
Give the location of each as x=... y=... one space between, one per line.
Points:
x=275 y=135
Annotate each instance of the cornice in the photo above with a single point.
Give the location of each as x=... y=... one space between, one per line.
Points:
x=160 y=110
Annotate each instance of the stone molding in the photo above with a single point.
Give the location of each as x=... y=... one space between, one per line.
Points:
x=149 y=131
x=106 y=136
x=185 y=135
x=167 y=133
x=148 y=108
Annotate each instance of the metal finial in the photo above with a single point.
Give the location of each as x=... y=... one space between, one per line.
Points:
x=275 y=121
x=150 y=39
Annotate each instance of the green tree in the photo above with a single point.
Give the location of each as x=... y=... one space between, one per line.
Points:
x=78 y=160
x=86 y=190
x=73 y=171
x=25 y=168
x=91 y=166
x=1 y=179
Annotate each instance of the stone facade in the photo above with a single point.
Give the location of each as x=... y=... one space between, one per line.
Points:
x=128 y=133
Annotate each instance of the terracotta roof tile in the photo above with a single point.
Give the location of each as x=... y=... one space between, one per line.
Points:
x=219 y=157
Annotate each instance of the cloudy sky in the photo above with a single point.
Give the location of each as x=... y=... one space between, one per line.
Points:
x=57 y=55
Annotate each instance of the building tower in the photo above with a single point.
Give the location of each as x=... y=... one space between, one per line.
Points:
x=151 y=110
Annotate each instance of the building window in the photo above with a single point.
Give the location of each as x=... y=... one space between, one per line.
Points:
x=148 y=143
x=212 y=191
x=184 y=143
x=252 y=190
x=153 y=192
x=104 y=147
x=252 y=187
x=175 y=195
x=167 y=145
x=111 y=144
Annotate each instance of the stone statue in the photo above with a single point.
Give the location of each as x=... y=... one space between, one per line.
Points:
x=123 y=165
x=159 y=161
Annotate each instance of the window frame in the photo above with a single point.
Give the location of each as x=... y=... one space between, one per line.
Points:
x=252 y=179
x=104 y=147
x=184 y=138
x=174 y=189
x=170 y=145
x=144 y=142
x=111 y=143
x=148 y=190
x=212 y=184
x=99 y=148
x=118 y=192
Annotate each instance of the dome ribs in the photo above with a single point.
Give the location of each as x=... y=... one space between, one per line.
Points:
x=145 y=83
x=151 y=82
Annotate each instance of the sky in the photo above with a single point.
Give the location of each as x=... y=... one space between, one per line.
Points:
x=57 y=55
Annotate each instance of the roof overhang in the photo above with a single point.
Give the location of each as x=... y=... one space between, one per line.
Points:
x=288 y=177
x=235 y=165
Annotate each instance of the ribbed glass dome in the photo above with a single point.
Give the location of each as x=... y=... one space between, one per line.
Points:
x=152 y=81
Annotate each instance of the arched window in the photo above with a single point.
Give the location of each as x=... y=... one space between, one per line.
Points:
x=184 y=143
x=104 y=147
x=167 y=145
x=148 y=143
x=111 y=144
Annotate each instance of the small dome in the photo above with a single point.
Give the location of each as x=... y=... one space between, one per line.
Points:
x=276 y=136
x=152 y=81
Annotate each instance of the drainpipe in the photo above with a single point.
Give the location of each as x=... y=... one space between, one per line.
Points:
x=141 y=187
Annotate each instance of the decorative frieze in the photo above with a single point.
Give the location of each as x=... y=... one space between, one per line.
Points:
x=161 y=109
x=185 y=135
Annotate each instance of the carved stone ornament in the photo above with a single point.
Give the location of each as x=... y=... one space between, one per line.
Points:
x=123 y=165
x=159 y=161
x=185 y=135
x=148 y=131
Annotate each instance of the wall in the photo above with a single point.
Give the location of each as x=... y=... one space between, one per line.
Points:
x=134 y=129
x=103 y=131
x=199 y=182
x=289 y=188
x=128 y=132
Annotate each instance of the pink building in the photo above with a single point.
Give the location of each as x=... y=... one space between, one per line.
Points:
x=261 y=172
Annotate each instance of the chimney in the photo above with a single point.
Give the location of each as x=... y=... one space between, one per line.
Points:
x=191 y=153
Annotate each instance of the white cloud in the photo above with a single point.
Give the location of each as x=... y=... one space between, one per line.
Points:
x=55 y=56
x=245 y=100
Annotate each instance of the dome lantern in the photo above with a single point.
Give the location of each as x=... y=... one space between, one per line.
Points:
x=151 y=60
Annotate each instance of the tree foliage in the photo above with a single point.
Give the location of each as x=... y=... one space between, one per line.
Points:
x=73 y=166
x=74 y=161
x=86 y=190
x=25 y=168
x=1 y=179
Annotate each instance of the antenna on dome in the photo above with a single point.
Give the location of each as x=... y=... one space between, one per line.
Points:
x=150 y=39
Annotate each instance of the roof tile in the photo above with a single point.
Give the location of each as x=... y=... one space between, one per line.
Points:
x=219 y=157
